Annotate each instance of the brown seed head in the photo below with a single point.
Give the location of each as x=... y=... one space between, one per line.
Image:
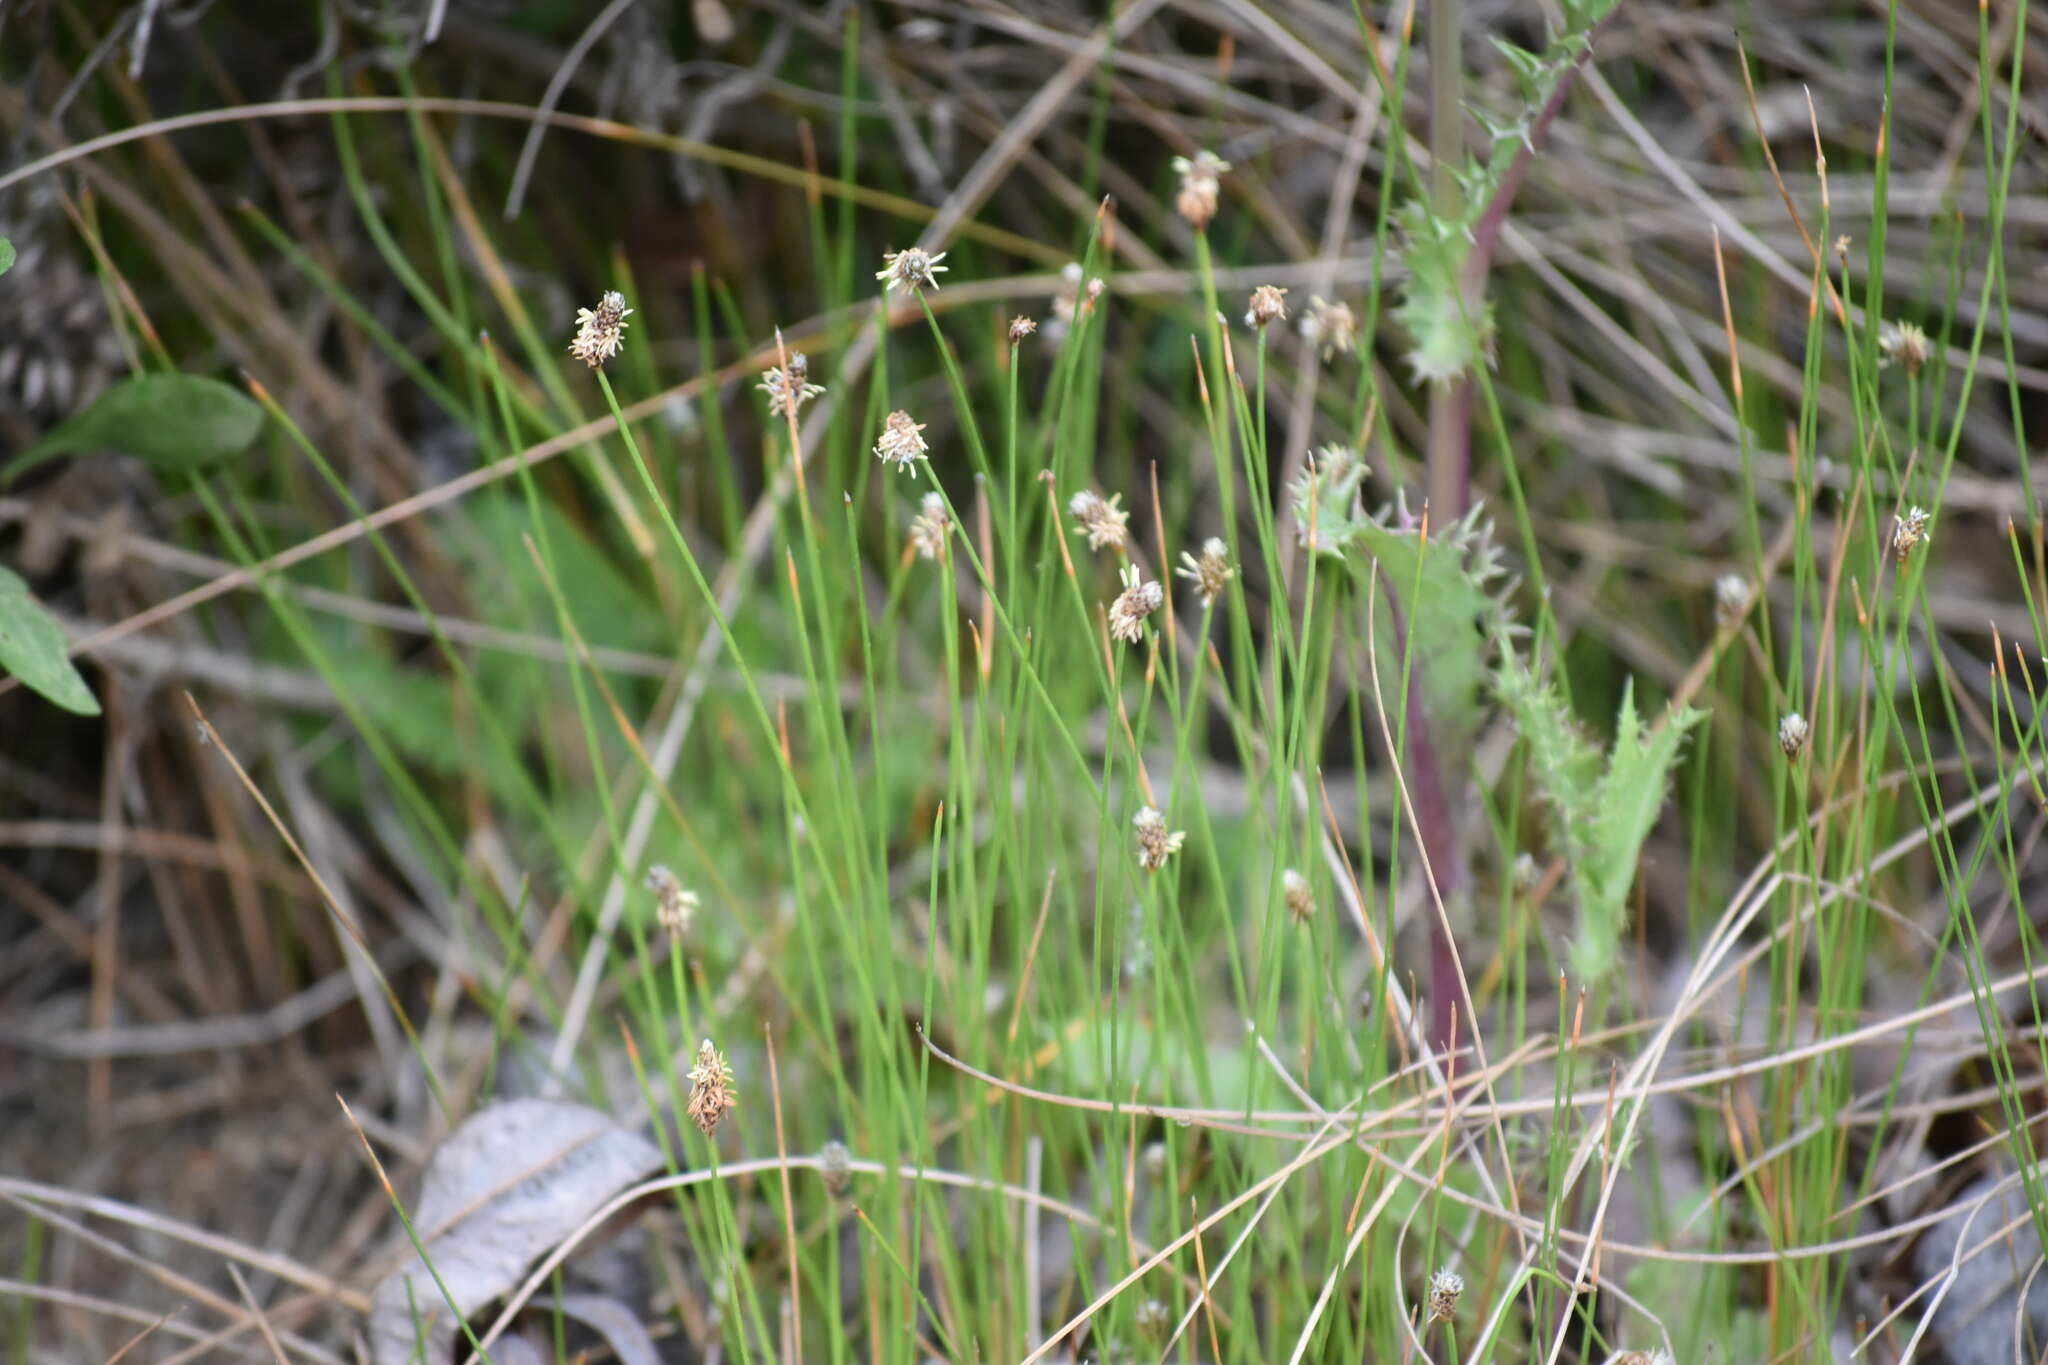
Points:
x=1196 y=199
x=931 y=526
x=1331 y=328
x=1905 y=342
x=674 y=906
x=1269 y=304
x=1300 y=896
x=1909 y=532
x=1210 y=571
x=911 y=271
x=900 y=443
x=712 y=1096
x=1154 y=841
x=599 y=330
x=1102 y=521
x=1445 y=1286
x=789 y=387
x=1137 y=601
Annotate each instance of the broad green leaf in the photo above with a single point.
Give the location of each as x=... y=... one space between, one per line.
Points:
x=172 y=422
x=1446 y=588
x=33 y=648
x=6 y=255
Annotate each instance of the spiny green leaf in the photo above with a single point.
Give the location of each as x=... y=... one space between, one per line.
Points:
x=1450 y=338
x=1446 y=591
x=1530 y=67
x=1601 y=813
x=172 y=422
x=33 y=648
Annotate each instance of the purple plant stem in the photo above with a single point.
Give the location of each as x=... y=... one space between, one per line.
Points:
x=1438 y=833
x=1450 y=494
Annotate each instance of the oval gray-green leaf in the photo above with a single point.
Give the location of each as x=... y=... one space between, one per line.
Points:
x=6 y=255
x=172 y=422
x=506 y=1187
x=34 y=648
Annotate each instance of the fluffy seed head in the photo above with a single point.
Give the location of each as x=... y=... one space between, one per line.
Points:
x=1444 y=1288
x=1731 y=598
x=1155 y=842
x=1102 y=521
x=912 y=270
x=1269 y=304
x=1154 y=1320
x=1137 y=601
x=1905 y=342
x=900 y=444
x=1021 y=327
x=599 y=330
x=788 y=386
x=673 y=906
x=931 y=526
x=1660 y=1356
x=1909 y=532
x=1199 y=174
x=1792 y=731
x=1209 y=572
x=1329 y=327
x=712 y=1096
x=1299 y=895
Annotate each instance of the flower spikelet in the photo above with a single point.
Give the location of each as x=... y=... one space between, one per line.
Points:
x=900 y=443
x=1299 y=895
x=933 y=523
x=1021 y=327
x=1137 y=601
x=1904 y=342
x=1331 y=328
x=1445 y=1287
x=1731 y=598
x=1792 y=732
x=911 y=271
x=712 y=1096
x=1102 y=521
x=788 y=386
x=1196 y=199
x=599 y=330
x=1909 y=532
x=1155 y=843
x=674 y=906
x=1268 y=305
x=1209 y=571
